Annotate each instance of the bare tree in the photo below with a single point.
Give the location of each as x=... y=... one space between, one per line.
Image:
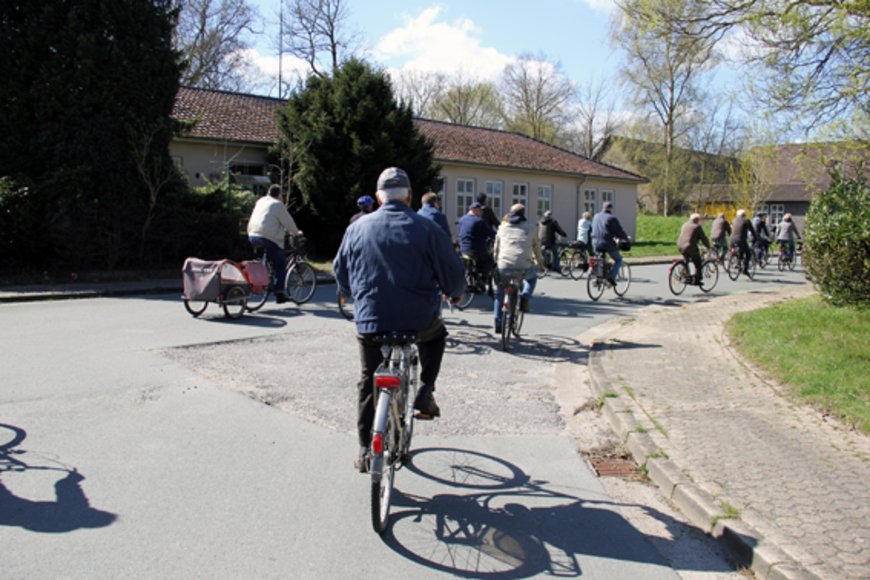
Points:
x=537 y=96
x=469 y=102
x=815 y=54
x=662 y=68
x=596 y=120
x=317 y=29
x=420 y=90
x=212 y=36
x=154 y=169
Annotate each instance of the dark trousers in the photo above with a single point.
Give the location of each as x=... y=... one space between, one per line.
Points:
x=694 y=256
x=431 y=349
x=277 y=259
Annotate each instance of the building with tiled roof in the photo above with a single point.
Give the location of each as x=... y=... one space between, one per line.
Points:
x=232 y=131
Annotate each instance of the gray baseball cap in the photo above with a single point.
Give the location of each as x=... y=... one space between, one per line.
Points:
x=393 y=177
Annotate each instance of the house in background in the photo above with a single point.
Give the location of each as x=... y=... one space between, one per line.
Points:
x=232 y=133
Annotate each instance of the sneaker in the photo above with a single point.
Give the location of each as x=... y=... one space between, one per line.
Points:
x=524 y=304
x=280 y=298
x=427 y=408
x=361 y=463
x=612 y=282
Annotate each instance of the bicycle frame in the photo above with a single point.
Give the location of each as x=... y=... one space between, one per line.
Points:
x=396 y=393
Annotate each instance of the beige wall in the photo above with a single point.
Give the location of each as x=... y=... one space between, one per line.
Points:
x=208 y=160
x=567 y=194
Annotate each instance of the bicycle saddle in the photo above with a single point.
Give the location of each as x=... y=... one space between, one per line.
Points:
x=395 y=338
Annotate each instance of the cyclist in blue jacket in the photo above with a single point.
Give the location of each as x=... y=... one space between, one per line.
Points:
x=396 y=264
x=606 y=231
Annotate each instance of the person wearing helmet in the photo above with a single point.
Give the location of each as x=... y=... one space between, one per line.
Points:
x=366 y=205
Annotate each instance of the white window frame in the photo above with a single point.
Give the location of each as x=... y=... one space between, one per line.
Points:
x=606 y=195
x=545 y=199
x=775 y=211
x=590 y=200
x=520 y=194
x=494 y=191
x=466 y=191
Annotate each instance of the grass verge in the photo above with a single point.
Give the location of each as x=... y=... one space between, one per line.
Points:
x=818 y=351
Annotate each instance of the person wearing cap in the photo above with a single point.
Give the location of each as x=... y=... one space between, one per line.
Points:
x=517 y=248
x=691 y=235
x=547 y=230
x=786 y=233
x=431 y=209
x=474 y=239
x=488 y=215
x=761 y=234
x=719 y=232
x=366 y=205
x=396 y=264
x=267 y=225
x=741 y=229
x=606 y=231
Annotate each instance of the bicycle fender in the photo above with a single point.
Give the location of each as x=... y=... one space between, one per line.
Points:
x=382 y=411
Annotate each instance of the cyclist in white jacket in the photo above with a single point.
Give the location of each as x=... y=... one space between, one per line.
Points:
x=266 y=226
x=516 y=246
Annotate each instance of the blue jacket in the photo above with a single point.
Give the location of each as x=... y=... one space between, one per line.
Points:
x=396 y=264
x=474 y=234
x=606 y=228
x=433 y=213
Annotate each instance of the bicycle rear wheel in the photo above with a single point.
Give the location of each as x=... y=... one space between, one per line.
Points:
x=623 y=280
x=519 y=315
x=565 y=257
x=507 y=315
x=735 y=265
x=752 y=266
x=300 y=283
x=578 y=265
x=709 y=275
x=382 y=485
x=677 y=277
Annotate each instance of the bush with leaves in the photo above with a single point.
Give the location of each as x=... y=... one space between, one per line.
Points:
x=837 y=241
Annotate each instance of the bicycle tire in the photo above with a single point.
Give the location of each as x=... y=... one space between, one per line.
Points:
x=565 y=257
x=345 y=305
x=258 y=297
x=709 y=275
x=791 y=264
x=623 y=280
x=506 y=321
x=542 y=270
x=595 y=287
x=195 y=307
x=519 y=316
x=579 y=266
x=467 y=299
x=382 y=485
x=752 y=269
x=735 y=266
x=300 y=283
x=780 y=262
x=235 y=302
x=678 y=276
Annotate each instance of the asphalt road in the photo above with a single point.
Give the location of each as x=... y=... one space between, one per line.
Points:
x=152 y=444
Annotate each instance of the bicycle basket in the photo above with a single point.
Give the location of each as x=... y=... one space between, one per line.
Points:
x=297 y=245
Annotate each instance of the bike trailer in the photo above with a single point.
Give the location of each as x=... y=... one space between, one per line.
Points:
x=210 y=280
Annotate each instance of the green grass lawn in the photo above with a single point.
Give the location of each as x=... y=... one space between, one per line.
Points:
x=818 y=351
x=656 y=236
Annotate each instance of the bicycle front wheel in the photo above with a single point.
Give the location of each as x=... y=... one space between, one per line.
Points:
x=382 y=484
x=735 y=265
x=709 y=275
x=258 y=297
x=752 y=266
x=677 y=278
x=623 y=280
x=578 y=265
x=300 y=283
x=565 y=258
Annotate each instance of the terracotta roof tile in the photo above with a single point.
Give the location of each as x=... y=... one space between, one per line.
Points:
x=240 y=117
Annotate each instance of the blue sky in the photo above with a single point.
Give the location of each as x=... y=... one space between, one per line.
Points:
x=475 y=37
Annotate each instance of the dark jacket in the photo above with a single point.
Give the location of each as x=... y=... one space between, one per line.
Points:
x=474 y=235
x=605 y=229
x=489 y=218
x=396 y=264
x=740 y=230
x=433 y=213
x=547 y=230
x=690 y=235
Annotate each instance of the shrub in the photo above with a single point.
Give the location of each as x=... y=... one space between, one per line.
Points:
x=837 y=241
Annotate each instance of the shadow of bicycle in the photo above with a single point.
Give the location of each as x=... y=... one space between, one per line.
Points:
x=498 y=522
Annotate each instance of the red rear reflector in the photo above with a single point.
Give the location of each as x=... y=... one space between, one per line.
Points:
x=378 y=444
x=387 y=382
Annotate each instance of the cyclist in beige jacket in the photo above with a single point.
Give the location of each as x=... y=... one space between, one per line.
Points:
x=517 y=248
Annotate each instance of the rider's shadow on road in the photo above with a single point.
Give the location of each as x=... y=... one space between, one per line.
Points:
x=497 y=522
x=71 y=510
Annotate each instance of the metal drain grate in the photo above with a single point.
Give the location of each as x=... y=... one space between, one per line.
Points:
x=614 y=467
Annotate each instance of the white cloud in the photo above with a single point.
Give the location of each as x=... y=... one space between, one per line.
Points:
x=605 y=6
x=426 y=44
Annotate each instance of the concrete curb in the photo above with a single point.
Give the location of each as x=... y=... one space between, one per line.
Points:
x=745 y=544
